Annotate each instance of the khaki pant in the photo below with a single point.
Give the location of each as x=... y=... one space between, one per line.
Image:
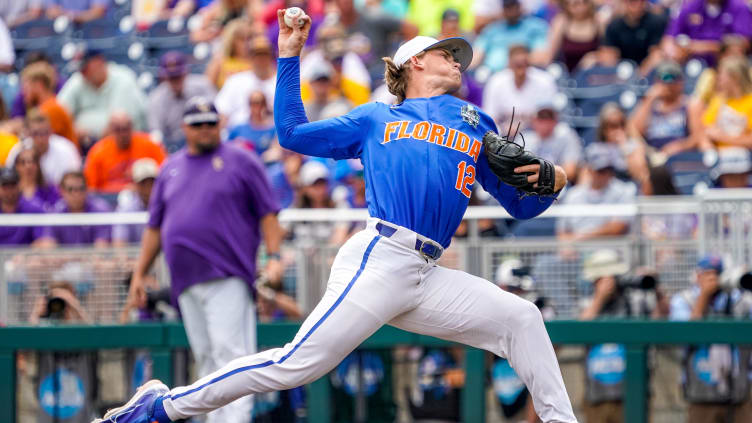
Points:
x=604 y=412
x=712 y=413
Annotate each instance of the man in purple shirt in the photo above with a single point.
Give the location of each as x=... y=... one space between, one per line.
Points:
x=76 y=200
x=702 y=24
x=11 y=201
x=209 y=208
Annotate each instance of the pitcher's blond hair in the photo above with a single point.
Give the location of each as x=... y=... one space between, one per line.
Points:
x=396 y=78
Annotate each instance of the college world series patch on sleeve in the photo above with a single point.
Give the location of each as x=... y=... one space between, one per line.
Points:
x=470 y=115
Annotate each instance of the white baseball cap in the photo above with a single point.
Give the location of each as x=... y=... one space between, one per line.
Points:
x=144 y=168
x=312 y=171
x=459 y=47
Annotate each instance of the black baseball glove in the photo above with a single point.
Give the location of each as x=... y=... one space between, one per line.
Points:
x=504 y=156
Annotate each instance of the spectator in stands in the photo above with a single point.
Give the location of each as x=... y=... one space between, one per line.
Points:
x=57 y=154
x=450 y=24
x=108 y=165
x=493 y=46
x=59 y=305
x=432 y=16
x=613 y=298
x=370 y=34
x=716 y=377
x=612 y=132
x=16 y=12
x=284 y=175
x=216 y=15
x=7 y=54
x=554 y=140
x=39 y=80
x=350 y=77
x=728 y=118
x=705 y=86
x=135 y=198
x=574 y=33
x=259 y=133
x=232 y=99
x=76 y=199
x=523 y=88
x=168 y=99
x=313 y=193
x=601 y=188
x=78 y=11
x=733 y=168
x=635 y=34
x=11 y=201
x=235 y=54
x=98 y=88
x=322 y=100
x=661 y=117
x=18 y=108
x=701 y=25
x=34 y=188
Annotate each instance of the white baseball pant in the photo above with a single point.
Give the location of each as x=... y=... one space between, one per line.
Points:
x=377 y=280
x=220 y=320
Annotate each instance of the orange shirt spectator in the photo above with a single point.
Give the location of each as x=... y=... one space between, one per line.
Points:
x=108 y=165
x=39 y=80
x=60 y=121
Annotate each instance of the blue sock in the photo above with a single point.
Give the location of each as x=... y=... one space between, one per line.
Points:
x=158 y=414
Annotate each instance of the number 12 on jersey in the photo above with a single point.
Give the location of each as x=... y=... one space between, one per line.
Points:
x=465 y=178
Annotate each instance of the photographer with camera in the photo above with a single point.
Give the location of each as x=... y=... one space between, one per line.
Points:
x=616 y=294
x=715 y=377
x=60 y=305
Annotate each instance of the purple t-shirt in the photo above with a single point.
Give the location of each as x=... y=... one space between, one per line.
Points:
x=695 y=22
x=46 y=197
x=208 y=208
x=77 y=235
x=23 y=235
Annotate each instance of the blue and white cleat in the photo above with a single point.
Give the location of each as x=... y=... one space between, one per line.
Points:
x=140 y=407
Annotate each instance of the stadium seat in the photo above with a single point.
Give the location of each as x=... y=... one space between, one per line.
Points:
x=128 y=54
x=166 y=35
x=40 y=35
x=593 y=87
x=687 y=170
x=105 y=34
x=692 y=71
x=34 y=35
x=559 y=71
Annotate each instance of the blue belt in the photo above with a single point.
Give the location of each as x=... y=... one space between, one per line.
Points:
x=426 y=248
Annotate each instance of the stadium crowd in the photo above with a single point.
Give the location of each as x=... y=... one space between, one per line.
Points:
x=632 y=97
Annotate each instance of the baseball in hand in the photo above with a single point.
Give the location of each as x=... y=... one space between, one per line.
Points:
x=294 y=14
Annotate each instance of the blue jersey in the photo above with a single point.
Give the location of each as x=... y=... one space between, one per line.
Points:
x=420 y=158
